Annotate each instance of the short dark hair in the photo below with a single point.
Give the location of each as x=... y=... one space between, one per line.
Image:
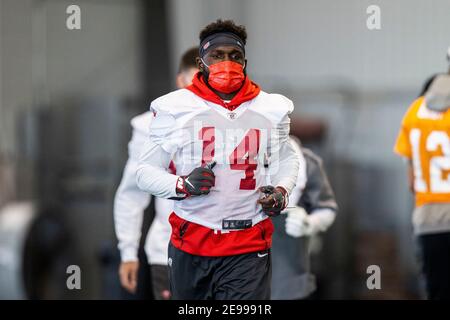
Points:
x=188 y=59
x=223 y=26
x=427 y=84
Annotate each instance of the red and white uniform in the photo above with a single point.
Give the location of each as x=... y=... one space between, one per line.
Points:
x=194 y=127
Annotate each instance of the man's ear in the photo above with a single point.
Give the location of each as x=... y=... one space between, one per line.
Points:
x=200 y=64
x=179 y=81
x=245 y=66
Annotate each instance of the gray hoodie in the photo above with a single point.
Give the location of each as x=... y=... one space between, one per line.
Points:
x=291 y=274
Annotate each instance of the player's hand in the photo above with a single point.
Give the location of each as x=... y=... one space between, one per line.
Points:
x=297 y=224
x=128 y=273
x=198 y=182
x=273 y=200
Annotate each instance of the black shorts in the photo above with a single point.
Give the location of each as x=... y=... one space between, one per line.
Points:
x=160 y=282
x=435 y=254
x=240 y=277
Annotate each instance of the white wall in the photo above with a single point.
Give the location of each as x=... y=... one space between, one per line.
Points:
x=313 y=39
x=101 y=59
x=42 y=62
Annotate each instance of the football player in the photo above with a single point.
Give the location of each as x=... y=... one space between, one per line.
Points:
x=313 y=211
x=220 y=131
x=130 y=203
x=425 y=143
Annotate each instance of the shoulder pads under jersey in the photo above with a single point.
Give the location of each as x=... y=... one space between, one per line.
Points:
x=272 y=105
x=142 y=122
x=181 y=100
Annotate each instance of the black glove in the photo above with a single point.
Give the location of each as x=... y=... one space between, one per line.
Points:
x=196 y=183
x=274 y=200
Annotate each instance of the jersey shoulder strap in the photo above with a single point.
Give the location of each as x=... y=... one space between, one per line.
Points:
x=273 y=106
x=142 y=122
x=178 y=103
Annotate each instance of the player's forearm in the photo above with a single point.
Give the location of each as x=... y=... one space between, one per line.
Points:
x=129 y=206
x=297 y=191
x=157 y=181
x=127 y=223
x=128 y=246
x=152 y=176
x=285 y=169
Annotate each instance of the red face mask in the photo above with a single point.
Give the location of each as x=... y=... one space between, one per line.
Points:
x=226 y=76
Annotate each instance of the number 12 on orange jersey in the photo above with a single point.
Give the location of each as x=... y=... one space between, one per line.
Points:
x=431 y=166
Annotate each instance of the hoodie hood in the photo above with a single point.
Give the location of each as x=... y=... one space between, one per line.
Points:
x=248 y=91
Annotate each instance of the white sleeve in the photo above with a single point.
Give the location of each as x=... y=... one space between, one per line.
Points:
x=322 y=219
x=151 y=174
x=297 y=191
x=129 y=204
x=284 y=158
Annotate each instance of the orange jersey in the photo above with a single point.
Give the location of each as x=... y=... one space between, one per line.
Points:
x=424 y=138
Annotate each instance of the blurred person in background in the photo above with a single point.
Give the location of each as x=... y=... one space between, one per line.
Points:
x=425 y=143
x=130 y=203
x=312 y=210
x=430 y=80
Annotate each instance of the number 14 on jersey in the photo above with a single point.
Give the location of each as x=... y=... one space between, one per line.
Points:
x=244 y=157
